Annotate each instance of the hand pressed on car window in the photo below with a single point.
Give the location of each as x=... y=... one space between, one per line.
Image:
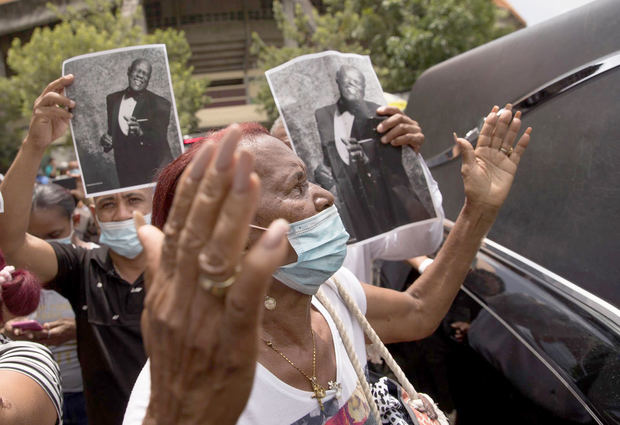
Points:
x=488 y=170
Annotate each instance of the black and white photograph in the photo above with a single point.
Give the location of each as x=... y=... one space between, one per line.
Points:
x=125 y=126
x=328 y=103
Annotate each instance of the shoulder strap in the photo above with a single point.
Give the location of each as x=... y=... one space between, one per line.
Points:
x=375 y=340
x=348 y=346
x=422 y=403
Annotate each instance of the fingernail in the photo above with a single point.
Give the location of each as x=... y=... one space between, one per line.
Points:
x=200 y=161
x=72 y=103
x=227 y=149
x=508 y=106
x=138 y=219
x=243 y=169
x=380 y=128
x=518 y=114
x=273 y=236
x=456 y=138
x=495 y=108
x=383 y=139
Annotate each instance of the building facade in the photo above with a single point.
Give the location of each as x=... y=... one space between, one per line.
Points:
x=219 y=34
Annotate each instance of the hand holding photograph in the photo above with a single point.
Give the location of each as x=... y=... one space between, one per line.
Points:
x=328 y=103
x=125 y=126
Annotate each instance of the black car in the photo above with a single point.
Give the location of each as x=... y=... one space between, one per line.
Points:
x=541 y=301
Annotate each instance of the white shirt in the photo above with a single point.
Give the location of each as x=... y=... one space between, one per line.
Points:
x=125 y=110
x=343 y=123
x=273 y=402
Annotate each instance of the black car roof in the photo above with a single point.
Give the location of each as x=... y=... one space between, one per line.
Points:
x=563 y=208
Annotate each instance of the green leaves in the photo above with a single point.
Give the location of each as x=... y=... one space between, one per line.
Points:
x=402 y=37
x=96 y=27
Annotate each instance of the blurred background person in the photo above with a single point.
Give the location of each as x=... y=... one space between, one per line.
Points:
x=30 y=390
x=52 y=218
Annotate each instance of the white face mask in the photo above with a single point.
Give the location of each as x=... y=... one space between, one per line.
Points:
x=320 y=242
x=121 y=236
x=65 y=240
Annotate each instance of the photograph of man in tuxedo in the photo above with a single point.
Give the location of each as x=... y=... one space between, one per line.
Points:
x=372 y=189
x=137 y=128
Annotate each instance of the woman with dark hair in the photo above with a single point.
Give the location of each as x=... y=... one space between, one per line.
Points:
x=52 y=213
x=30 y=391
x=311 y=338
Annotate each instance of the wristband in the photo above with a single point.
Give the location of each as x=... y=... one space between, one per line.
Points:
x=424 y=265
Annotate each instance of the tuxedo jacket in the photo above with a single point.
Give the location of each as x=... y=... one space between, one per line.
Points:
x=138 y=158
x=373 y=195
x=325 y=121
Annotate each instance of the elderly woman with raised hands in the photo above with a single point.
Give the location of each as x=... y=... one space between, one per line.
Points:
x=215 y=343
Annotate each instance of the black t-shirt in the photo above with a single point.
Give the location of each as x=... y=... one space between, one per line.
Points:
x=107 y=313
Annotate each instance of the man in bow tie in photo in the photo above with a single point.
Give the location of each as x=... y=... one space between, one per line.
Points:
x=137 y=128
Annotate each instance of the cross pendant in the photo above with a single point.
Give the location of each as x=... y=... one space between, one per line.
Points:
x=319 y=393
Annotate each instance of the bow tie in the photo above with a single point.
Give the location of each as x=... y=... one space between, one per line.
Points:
x=131 y=95
x=358 y=109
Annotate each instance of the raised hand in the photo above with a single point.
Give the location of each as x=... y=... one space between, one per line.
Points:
x=204 y=298
x=50 y=114
x=488 y=171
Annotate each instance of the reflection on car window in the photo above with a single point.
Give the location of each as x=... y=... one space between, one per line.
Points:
x=581 y=349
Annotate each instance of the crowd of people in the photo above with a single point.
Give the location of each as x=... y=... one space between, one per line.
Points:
x=219 y=296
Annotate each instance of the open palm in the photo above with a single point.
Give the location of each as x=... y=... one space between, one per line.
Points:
x=488 y=170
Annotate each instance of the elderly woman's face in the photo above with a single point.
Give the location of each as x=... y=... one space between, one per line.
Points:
x=286 y=191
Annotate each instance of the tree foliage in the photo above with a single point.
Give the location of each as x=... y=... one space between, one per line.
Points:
x=402 y=37
x=97 y=25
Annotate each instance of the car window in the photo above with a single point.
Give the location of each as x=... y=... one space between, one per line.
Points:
x=550 y=331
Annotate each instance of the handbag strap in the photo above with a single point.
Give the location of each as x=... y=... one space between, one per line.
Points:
x=423 y=402
x=376 y=341
x=348 y=346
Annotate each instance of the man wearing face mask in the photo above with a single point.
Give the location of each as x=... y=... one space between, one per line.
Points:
x=104 y=285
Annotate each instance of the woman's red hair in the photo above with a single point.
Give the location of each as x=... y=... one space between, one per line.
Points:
x=21 y=294
x=169 y=176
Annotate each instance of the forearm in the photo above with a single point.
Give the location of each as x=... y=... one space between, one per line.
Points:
x=191 y=409
x=436 y=288
x=17 y=188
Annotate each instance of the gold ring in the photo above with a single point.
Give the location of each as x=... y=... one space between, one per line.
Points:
x=217 y=288
x=507 y=152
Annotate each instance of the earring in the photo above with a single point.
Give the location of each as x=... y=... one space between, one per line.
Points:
x=270 y=303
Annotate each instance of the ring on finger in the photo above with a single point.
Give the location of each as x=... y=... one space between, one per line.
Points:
x=506 y=151
x=217 y=288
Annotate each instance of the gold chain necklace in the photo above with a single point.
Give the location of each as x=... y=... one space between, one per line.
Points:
x=319 y=391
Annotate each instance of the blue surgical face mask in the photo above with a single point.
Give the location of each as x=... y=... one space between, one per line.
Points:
x=65 y=240
x=121 y=236
x=320 y=242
